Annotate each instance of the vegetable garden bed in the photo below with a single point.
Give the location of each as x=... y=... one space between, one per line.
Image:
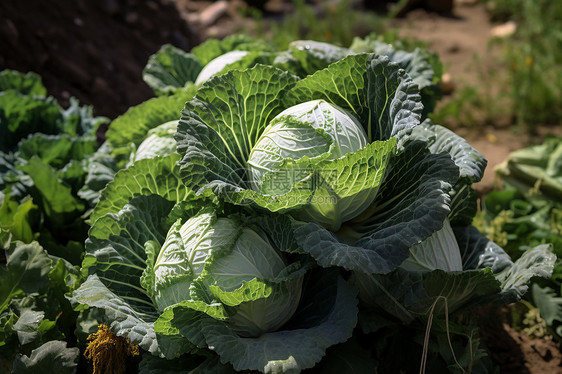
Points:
x=271 y=209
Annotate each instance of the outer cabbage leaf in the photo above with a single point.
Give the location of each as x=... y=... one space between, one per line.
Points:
x=56 y=150
x=406 y=295
x=535 y=262
x=470 y=162
x=488 y=275
x=132 y=126
x=170 y=69
x=21 y=115
x=213 y=48
x=374 y=89
x=79 y=121
x=411 y=205
x=149 y=176
x=479 y=252
x=51 y=357
x=16 y=221
x=312 y=55
x=25 y=269
x=424 y=67
x=26 y=84
x=101 y=170
x=326 y=317
x=57 y=200
x=116 y=256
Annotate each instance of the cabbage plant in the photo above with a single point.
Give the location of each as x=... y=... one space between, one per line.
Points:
x=303 y=217
x=235 y=258
x=176 y=273
x=256 y=138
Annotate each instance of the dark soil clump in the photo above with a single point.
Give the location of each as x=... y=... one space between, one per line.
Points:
x=94 y=50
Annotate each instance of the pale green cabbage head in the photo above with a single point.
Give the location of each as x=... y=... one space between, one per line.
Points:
x=223 y=255
x=306 y=134
x=218 y=64
x=159 y=142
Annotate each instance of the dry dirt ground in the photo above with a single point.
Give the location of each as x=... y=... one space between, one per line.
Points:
x=96 y=50
x=458 y=38
x=462 y=40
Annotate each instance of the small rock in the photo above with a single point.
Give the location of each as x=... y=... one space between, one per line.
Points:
x=78 y=21
x=454 y=48
x=212 y=13
x=505 y=30
x=447 y=85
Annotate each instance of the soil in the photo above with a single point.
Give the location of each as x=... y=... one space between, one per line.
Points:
x=462 y=39
x=515 y=352
x=95 y=50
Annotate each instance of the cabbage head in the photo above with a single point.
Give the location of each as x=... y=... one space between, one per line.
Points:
x=158 y=142
x=219 y=64
x=224 y=256
x=315 y=131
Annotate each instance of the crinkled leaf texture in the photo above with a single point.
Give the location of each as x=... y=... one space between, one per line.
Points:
x=25 y=272
x=213 y=48
x=488 y=275
x=424 y=67
x=411 y=205
x=312 y=55
x=26 y=84
x=140 y=205
x=170 y=69
x=158 y=176
x=470 y=162
x=327 y=316
x=374 y=89
x=51 y=357
x=128 y=130
x=479 y=252
x=221 y=125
